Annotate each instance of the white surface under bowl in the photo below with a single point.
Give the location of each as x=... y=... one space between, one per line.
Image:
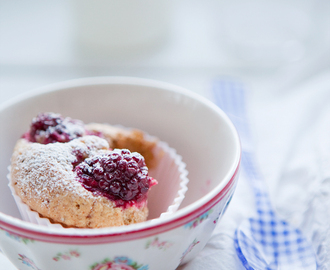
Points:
x=199 y=131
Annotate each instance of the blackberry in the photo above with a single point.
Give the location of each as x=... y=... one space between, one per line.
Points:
x=51 y=127
x=119 y=175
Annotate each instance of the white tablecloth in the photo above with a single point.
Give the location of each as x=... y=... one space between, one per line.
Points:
x=293 y=150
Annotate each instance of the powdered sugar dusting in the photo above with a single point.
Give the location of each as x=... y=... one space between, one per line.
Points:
x=62 y=181
x=44 y=170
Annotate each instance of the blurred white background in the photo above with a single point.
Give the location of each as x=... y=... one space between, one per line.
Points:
x=270 y=44
x=273 y=46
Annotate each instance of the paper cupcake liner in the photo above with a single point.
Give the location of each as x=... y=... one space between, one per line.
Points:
x=26 y=213
x=163 y=199
x=171 y=174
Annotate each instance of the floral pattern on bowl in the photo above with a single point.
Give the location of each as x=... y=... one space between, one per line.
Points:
x=119 y=263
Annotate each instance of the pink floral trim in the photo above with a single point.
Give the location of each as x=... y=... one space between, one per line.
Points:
x=27 y=261
x=162 y=245
x=19 y=239
x=198 y=220
x=191 y=246
x=66 y=255
x=119 y=263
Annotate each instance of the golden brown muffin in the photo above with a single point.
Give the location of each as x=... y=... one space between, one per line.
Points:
x=81 y=182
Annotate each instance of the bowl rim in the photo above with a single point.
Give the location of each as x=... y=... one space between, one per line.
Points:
x=133 y=231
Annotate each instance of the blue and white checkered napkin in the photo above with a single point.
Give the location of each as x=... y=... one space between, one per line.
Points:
x=263 y=241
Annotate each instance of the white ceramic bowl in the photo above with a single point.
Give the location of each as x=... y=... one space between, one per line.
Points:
x=199 y=131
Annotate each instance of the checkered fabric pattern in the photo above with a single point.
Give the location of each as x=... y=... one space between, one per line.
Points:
x=263 y=241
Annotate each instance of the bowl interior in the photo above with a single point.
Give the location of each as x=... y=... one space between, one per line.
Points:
x=196 y=128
